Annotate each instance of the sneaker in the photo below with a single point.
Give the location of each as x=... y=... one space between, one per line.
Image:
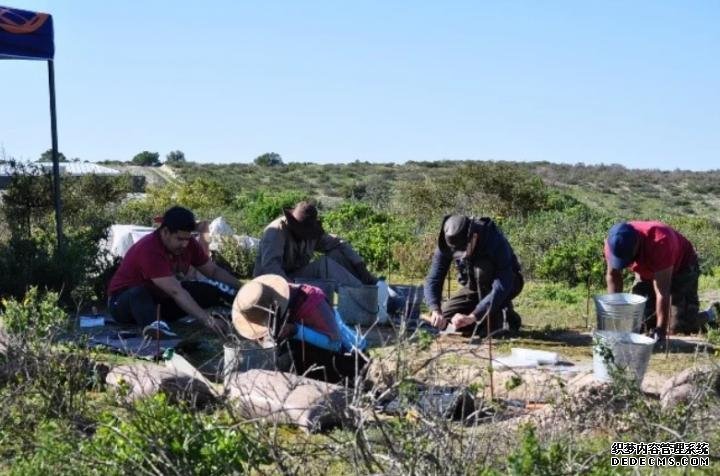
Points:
x=158 y=330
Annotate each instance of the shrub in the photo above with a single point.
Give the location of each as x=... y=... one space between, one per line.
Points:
x=373 y=234
x=259 y=209
x=238 y=258
x=531 y=458
x=561 y=245
x=269 y=159
x=37 y=262
x=36 y=316
x=203 y=196
x=172 y=440
x=482 y=188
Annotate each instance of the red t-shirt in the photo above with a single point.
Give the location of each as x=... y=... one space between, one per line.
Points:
x=660 y=248
x=148 y=259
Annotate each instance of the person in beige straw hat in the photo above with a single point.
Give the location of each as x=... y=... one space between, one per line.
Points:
x=268 y=307
x=259 y=304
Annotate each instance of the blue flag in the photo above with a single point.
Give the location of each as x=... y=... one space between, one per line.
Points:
x=25 y=35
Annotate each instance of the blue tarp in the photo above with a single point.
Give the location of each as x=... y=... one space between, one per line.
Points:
x=25 y=35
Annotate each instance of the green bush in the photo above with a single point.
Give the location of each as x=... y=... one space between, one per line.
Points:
x=205 y=197
x=238 y=258
x=480 y=189
x=259 y=209
x=36 y=316
x=562 y=245
x=531 y=458
x=372 y=233
x=704 y=234
x=172 y=440
x=36 y=261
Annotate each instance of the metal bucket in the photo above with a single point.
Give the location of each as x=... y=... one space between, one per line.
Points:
x=327 y=285
x=358 y=304
x=630 y=353
x=620 y=312
x=245 y=355
x=410 y=298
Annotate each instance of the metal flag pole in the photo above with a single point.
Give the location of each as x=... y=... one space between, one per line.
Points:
x=55 y=158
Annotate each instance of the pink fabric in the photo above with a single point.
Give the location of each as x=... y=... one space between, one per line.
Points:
x=314 y=311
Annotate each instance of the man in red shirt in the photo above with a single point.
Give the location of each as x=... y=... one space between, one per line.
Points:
x=154 y=273
x=666 y=272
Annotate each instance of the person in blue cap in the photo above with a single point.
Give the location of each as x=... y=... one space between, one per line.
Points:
x=487 y=269
x=666 y=272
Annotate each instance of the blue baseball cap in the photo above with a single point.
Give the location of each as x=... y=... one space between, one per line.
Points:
x=621 y=241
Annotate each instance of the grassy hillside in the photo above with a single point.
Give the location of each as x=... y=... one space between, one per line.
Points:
x=611 y=188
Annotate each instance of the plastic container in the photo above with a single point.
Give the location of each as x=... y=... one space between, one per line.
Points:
x=630 y=353
x=541 y=357
x=620 y=312
x=358 y=304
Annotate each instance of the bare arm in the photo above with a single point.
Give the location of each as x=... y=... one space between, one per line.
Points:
x=213 y=271
x=662 y=282
x=171 y=286
x=614 y=280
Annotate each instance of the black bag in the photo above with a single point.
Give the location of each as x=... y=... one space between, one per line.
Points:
x=453 y=403
x=325 y=365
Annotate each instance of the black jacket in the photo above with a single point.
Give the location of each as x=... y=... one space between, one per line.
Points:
x=491 y=245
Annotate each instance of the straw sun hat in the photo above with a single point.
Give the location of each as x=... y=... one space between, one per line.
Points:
x=253 y=305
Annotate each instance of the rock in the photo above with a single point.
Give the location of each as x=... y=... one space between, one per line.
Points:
x=689 y=384
x=142 y=380
x=653 y=382
x=286 y=398
x=680 y=394
x=689 y=376
x=527 y=385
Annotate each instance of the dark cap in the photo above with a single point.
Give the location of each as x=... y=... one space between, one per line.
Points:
x=303 y=220
x=455 y=230
x=178 y=219
x=622 y=239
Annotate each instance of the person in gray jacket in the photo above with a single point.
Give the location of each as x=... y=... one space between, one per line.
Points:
x=289 y=244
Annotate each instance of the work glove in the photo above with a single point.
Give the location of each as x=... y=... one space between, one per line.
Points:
x=364 y=275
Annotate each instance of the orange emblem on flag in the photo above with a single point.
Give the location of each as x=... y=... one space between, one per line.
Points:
x=14 y=23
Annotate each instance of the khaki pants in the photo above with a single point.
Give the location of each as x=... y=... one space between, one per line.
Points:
x=466 y=299
x=685 y=314
x=333 y=266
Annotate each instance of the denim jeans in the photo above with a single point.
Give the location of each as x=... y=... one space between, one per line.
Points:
x=139 y=304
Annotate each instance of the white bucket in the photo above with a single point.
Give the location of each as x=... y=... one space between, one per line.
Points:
x=630 y=353
x=620 y=312
x=358 y=304
x=245 y=355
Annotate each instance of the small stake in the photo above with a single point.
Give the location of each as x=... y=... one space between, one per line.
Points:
x=157 y=330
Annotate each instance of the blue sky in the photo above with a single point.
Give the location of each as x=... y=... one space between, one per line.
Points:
x=635 y=83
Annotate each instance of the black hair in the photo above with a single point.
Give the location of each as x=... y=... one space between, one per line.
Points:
x=178 y=219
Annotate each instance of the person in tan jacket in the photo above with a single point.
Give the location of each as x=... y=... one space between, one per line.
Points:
x=289 y=244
